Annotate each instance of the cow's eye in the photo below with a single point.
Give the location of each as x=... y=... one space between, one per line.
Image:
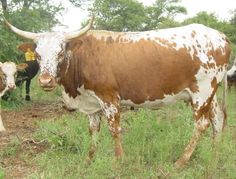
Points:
x=60 y=56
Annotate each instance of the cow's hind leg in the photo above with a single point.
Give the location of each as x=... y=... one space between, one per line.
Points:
x=201 y=123
x=217 y=117
x=94 y=128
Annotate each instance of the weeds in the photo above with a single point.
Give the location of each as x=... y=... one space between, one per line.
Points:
x=11 y=149
x=1 y=173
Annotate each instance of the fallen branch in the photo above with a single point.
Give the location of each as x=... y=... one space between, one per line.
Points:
x=28 y=140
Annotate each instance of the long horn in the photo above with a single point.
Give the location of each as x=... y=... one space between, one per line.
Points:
x=25 y=34
x=78 y=33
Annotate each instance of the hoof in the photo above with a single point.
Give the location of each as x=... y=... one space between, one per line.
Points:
x=180 y=163
x=27 y=98
x=2 y=129
x=68 y=109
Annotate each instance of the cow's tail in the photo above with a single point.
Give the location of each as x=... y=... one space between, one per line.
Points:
x=224 y=101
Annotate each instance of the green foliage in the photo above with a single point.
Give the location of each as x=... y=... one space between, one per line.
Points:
x=203 y=18
x=233 y=18
x=79 y=3
x=27 y=15
x=120 y=15
x=130 y=15
x=1 y=173
x=162 y=11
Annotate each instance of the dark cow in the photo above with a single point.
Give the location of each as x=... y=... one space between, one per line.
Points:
x=231 y=75
x=29 y=73
x=7 y=80
x=102 y=71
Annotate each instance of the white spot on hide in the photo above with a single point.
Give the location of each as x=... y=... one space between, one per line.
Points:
x=167 y=100
x=86 y=102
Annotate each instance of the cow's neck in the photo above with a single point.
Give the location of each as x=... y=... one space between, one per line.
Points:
x=71 y=74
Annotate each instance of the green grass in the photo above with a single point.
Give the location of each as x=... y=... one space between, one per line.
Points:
x=152 y=142
x=1 y=174
x=17 y=97
x=11 y=149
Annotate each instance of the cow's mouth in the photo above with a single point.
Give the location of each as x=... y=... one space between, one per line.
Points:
x=47 y=82
x=48 y=89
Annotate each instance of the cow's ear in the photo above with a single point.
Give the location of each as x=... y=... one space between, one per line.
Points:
x=74 y=44
x=21 y=66
x=23 y=47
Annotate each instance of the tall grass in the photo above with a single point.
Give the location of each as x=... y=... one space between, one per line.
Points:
x=152 y=141
x=1 y=174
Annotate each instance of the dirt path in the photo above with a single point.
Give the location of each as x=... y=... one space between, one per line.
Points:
x=21 y=124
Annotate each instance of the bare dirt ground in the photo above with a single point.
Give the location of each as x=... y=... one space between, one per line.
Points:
x=20 y=124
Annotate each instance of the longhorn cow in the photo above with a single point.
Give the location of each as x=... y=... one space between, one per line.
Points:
x=102 y=71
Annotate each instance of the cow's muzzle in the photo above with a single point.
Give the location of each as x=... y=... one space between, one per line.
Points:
x=47 y=82
x=11 y=87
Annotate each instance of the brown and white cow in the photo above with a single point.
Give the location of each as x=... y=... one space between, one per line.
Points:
x=7 y=80
x=101 y=71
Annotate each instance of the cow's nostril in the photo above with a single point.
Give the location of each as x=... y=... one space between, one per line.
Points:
x=45 y=81
x=11 y=86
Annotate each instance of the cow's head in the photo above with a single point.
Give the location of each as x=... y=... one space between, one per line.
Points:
x=231 y=74
x=7 y=74
x=50 y=51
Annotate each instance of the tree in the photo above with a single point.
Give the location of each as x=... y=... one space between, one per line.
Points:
x=29 y=15
x=119 y=15
x=80 y=3
x=208 y=19
x=233 y=28
x=130 y=15
x=161 y=12
x=233 y=17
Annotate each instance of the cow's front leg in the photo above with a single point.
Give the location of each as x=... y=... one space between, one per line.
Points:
x=112 y=112
x=1 y=124
x=94 y=128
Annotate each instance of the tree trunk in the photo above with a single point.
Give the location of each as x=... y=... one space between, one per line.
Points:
x=4 y=5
